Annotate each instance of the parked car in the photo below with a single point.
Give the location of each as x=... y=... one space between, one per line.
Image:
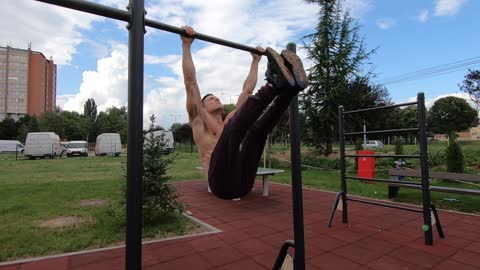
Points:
x=372 y=145
x=108 y=144
x=11 y=146
x=42 y=144
x=77 y=148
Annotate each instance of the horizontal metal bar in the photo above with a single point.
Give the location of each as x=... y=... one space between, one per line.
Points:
x=385 y=156
x=223 y=42
x=123 y=15
x=382 y=107
x=386 y=205
x=383 y=180
x=92 y=8
x=381 y=131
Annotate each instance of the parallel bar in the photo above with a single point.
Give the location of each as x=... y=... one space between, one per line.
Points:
x=383 y=107
x=386 y=205
x=92 y=8
x=381 y=131
x=133 y=250
x=223 y=42
x=122 y=15
x=298 y=233
x=383 y=180
x=385 y=156
x=427 y=220
x=343 y=165
x=282 y=254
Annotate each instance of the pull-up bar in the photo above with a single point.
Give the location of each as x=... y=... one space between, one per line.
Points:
x=122 y=15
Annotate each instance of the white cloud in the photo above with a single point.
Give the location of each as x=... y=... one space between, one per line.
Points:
x=429 y=101
x=385 y=23
x=358 y=8
x=52 y=30
x=107 y=85
x=423 y=16
x=448 y=7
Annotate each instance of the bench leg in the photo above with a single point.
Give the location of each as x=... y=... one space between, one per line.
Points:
x=334 y=208
x=265 y=185
x=437 y=223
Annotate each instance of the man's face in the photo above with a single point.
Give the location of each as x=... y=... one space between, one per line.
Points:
x=212 y=103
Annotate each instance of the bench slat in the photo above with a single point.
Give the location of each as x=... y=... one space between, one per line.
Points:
x=436 y=175
x=440 y=189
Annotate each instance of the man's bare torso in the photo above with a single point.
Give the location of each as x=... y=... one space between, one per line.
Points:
x=206 y=137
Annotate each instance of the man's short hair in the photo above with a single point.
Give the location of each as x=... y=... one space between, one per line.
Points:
x=204 y=97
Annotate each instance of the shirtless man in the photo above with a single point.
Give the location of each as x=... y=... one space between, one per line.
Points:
x=230 y=149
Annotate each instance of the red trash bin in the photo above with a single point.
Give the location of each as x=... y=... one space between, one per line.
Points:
x=366 y=165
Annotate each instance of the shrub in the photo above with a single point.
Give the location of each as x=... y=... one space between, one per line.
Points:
x=455 y=159
x=159 y=196
x=358 y=146
x=323 y=163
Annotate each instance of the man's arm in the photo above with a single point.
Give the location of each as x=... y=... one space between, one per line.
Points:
x=194 y=101
x=249 y=84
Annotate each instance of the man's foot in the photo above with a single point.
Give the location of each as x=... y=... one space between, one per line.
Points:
x=277 y=73
x=295 y=66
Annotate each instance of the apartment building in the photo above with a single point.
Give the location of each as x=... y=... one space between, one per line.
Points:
x=28 y=83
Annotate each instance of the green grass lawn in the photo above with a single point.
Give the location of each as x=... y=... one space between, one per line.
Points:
x=34 y=191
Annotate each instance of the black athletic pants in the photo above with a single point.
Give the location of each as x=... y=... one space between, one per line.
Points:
x=234 y=161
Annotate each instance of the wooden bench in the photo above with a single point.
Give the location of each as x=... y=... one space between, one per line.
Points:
x=434 y=175
x=265 y=173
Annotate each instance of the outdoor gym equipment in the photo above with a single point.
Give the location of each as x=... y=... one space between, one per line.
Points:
x=428 y=206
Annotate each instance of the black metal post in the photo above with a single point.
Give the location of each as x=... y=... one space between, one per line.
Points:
x=343 y=166
x=298 y=233
x=133 y=250
x=422 y=125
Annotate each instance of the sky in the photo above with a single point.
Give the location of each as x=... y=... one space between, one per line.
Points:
x=91 y=52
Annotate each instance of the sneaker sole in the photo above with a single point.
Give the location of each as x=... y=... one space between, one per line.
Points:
x=295 y=66
x=274 y=57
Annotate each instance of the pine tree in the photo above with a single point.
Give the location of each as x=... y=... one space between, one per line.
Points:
x=159 y=196
x=337 y=51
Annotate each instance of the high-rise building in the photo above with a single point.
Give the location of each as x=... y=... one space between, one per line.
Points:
x=28 y=83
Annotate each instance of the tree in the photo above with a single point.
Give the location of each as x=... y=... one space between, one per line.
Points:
x=75 y=126
x=183 y=133
x=159 y=196
x=471 y=86
x=337 y=52
x=8 y=129
x=52 y=122
x=451 y=114
x=113 y=120
x=90 y=114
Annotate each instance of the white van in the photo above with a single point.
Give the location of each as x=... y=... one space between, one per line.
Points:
x=10 y=146
x=42 y=144
x=77 y=148
x=108 y=144
x=167 y=136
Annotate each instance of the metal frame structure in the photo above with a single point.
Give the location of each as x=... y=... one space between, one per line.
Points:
x=135 y=17
x=428 y=206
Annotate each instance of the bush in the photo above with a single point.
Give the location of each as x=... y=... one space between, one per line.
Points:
x=358 y=146
x=436 y=158
x=323 y=163
x=159 y=196
x=455 y=159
